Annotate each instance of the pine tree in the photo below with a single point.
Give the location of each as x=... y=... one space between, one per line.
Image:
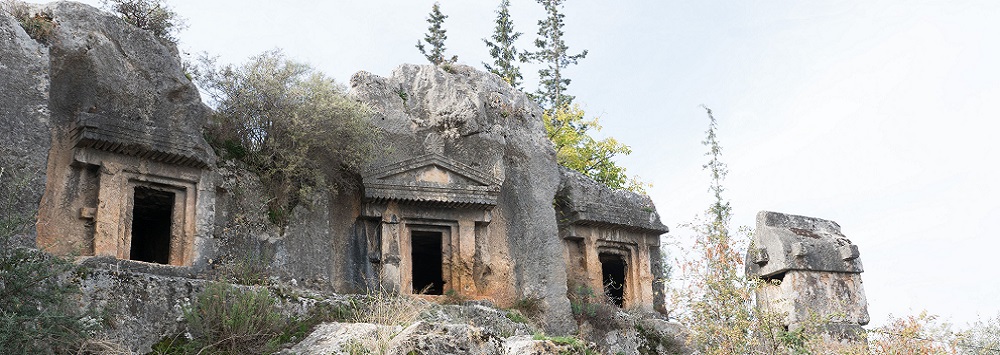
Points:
x=552 y=52
x=505 y=55
x=436 y=34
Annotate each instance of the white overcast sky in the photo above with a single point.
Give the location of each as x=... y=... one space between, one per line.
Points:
x=879 y=115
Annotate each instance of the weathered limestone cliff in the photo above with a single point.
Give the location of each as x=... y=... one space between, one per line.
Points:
x=507 y=242
x=24 y=113
x=466 y=200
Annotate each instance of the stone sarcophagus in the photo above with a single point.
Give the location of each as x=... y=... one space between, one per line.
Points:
x=427 y=211
x=812 y=272
x=612 y=241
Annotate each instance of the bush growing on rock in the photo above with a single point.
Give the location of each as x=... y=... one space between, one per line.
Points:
x=228 y=319
x=151 y=15
x=38 y=25
x=292 y=125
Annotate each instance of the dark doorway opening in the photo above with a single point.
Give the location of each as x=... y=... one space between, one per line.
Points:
x=152 y=214
x=427 y=262
x=613 y=271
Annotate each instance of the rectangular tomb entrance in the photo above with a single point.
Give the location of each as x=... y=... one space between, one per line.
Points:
x=430 y=211
x=613 y=277
x=427 y=262
x=152 y=214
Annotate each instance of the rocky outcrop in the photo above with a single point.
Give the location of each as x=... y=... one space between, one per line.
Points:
x=423 y=338
x=106 y=108
x=122 y=89
x=24 y=114
x=477 y=120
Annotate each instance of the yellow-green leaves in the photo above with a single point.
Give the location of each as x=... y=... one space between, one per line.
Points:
x=576 y=149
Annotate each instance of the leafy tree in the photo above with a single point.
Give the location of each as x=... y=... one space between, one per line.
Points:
x=294 y=126
x=151 y=15
x=554 y=54
x=576 y=149
x=435 y=37
x=717 y=309
x=505 y=55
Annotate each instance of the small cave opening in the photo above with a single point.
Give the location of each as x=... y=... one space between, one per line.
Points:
x=426 y=258
x=152 y=215
x=613 y=277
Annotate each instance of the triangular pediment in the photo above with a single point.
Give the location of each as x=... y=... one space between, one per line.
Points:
x=431 y=178
x=431 y=169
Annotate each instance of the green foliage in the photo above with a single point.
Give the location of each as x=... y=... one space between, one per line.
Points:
x=37 y=313
x=502 y=50
x=578 y=150
x=590 y=307
x=530 y=307
x=38 y=25
x=516 y=316
x=227 y=319
x=292 y=125
x=553 y=53
x=716 y=304
x=151 y=15
x=435 y=37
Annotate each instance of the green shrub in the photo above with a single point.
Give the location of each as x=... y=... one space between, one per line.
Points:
x=290 y=124
x=37 y=313
x=227 y=319
x=151 y=15
x=596 y=310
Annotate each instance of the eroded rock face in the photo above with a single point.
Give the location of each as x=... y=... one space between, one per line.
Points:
x=455 y=116
x=24 y=114
x=107 y=109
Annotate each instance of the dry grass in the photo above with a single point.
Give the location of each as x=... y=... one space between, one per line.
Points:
x=392 y=310
x=103 y=347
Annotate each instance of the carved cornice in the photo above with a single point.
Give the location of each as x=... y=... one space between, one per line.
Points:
x=454 y=184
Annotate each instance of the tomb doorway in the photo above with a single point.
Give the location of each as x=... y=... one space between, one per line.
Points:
x=427 y=262
x=152 y=218
x=613 y=277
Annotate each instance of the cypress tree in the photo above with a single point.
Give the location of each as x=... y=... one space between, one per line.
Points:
x=552 y=52
x=435 y=37
x=505 y=55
